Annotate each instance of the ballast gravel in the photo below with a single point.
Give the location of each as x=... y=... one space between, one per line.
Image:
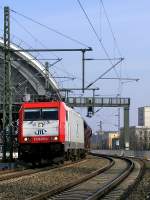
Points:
x=142 y=191
x=28 y=186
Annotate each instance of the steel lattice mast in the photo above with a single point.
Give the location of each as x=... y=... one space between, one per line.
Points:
x=7 y=94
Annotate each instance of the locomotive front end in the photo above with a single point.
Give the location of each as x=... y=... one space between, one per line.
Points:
x=40 y=131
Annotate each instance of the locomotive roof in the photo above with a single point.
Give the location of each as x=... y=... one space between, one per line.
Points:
x=41 y=104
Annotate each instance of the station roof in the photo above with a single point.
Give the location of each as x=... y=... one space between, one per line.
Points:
x=29 y=76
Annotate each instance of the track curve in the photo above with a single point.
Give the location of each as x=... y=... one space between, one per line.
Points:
x=97 y=186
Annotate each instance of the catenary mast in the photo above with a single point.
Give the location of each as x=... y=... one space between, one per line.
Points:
x=7 y=89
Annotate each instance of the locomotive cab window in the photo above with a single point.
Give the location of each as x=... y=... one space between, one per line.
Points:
x=50 y=114
x=31 y=114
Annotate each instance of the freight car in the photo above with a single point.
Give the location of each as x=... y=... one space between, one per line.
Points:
x=87 y=136
x=50 y=131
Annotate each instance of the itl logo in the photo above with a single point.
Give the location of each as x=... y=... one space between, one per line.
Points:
x=40 y=132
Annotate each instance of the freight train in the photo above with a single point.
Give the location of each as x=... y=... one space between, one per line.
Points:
x=51 y=132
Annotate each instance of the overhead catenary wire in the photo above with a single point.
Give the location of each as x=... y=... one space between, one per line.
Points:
x=51 y=65
x=32 y=36
x=63 y=70
x=98 y=38
x=56 y=30
x=100 y=20
x=27 y=31
x=115 y=41
x=88 y=19
x=111 y=30
x=37 y=40
x=18 y=38
x=109 y=69
x=68 y=73
x=100 y=41
x=50 y=29
x=68 y=37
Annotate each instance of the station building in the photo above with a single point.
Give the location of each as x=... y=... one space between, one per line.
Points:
x=144 y=116
x=106 y=140
x=139 y=136
x=110 y=140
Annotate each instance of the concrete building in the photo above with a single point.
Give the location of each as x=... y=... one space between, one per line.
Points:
x=111 y=140
x=105 y=140
x=139 y=137
x=144 y=116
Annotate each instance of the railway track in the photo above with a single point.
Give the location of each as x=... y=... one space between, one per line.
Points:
x=28 y=186
x=108 y=183
x=123 y=190
x=12 y=174
x=16 y=174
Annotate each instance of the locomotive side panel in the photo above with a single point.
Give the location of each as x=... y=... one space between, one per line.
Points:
x=62 y=122
x=74 y=130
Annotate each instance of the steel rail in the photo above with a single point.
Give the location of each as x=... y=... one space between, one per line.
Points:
x=21 y=173
x=59 y=189
x=137 y=180
x=25 y=172
x=122 y=188
x=106 y=182
x=84 y=192
x=108 y=187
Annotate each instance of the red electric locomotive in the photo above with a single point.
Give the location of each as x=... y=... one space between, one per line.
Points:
x=50 y=131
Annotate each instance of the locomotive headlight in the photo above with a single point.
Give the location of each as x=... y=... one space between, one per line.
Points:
x=25 y=139
x=55 y=138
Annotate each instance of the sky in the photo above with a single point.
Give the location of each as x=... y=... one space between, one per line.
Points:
x=130 y=24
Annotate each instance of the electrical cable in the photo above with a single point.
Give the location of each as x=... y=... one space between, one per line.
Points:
x=89 y=21
x=100 y=41
x=108 y=70
x=32 y=36
x=27 y=31
x=51 y=29
x=110 y=26
x=100 y=18
x=115 y=42
x=69 y=74
x=62 y=70
x=15 y=36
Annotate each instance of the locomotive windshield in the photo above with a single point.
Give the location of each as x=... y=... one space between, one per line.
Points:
x=40 y=114
x=50 y=114
x=32 y=114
